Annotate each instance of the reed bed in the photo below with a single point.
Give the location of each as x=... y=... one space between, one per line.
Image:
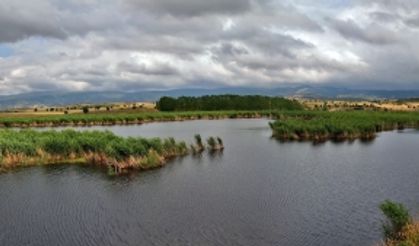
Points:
x=102 y=148
x=318 y=125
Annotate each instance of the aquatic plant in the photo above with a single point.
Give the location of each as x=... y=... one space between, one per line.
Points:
x=220 y=142
x=199 y=146
x=211 y=143
x=215 y=144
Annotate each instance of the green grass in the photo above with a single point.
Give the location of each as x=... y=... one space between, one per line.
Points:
x=318 y=125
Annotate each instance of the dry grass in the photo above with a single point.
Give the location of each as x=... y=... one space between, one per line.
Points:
x=409 y=235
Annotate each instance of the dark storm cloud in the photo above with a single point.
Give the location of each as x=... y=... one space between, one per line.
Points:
x=193 y=7
x=18 y=21
x=413 y=22
x=373 y=34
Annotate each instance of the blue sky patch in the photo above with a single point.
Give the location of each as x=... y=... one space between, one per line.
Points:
x=5 y=51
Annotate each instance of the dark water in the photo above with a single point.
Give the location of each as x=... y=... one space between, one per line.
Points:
x=258 y=192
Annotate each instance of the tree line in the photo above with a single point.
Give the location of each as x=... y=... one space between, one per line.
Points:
x=226 y=102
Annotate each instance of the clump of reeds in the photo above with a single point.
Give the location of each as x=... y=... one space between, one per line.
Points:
x=198 y=147
x=215 y=144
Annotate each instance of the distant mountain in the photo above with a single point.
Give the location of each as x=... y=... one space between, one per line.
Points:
x=67 y=98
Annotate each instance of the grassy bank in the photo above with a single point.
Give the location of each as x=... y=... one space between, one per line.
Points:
x=123 y=118
x=29 y=147
x=319 y=125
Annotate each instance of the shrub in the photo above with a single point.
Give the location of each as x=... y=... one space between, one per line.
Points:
x=85 y=109
x=397 y=218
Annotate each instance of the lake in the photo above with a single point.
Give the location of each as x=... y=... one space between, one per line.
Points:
x=259 y=191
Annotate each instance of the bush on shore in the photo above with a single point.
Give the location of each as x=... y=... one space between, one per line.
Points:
x=399 y=228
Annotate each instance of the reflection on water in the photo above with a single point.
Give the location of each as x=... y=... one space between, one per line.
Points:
x=259 y=191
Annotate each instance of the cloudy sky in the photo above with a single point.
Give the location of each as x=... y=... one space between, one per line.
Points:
x=155 y=44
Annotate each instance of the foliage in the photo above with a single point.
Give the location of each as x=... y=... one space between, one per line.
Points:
x=226 y=102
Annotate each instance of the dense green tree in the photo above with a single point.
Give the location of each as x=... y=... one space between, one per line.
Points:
x=226 y=102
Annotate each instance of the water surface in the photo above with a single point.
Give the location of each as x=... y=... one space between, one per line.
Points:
x=258 y=192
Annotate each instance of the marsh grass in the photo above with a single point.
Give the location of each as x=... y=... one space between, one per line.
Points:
x=319 y=126
x=102 y=148
x=215 y=144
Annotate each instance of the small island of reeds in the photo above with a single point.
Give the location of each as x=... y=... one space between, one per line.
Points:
x=102 y=148
x=345 y=125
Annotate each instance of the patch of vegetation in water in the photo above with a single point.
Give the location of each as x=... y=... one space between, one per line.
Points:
x=21 y=148
x=103 y=148
x=318 y=125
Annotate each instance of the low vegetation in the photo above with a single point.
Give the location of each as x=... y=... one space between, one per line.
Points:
x=399 y=229
x=323 y=125
x=226 y=102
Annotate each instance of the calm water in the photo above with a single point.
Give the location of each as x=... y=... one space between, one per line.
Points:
x=258 y=192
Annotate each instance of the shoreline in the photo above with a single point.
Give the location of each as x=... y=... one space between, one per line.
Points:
x=134 y=119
